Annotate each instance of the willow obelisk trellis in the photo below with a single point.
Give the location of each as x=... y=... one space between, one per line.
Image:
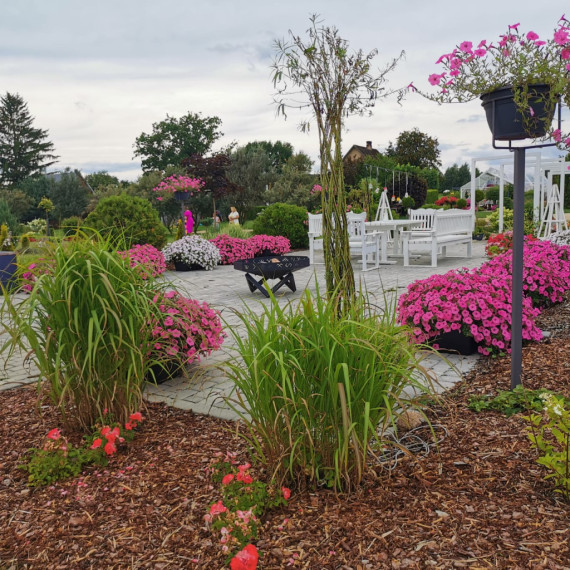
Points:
x=334 y=84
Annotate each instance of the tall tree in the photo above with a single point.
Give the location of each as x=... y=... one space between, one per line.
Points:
x=101 y=178
x=173 y=140
x=337 y=84
x=415 y=148
x=69 y=194
x=24 y=149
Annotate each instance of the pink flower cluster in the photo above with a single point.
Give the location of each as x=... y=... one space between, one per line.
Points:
x=233 y=249
x=477 y=305
x=470 y=71
x=177 y=183
x=146 y=260
x=277 y=245
x=188 y=329
x=33 y=271
x=546 y=272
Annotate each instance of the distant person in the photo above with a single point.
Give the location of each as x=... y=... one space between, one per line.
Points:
x=217 y=216
x=234 y=216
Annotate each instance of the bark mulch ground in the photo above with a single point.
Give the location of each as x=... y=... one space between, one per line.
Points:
x=478 y=501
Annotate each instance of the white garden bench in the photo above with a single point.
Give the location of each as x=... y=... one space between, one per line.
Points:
x=441 y=228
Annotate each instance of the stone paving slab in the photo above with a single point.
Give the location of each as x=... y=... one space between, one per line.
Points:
x=205 y=386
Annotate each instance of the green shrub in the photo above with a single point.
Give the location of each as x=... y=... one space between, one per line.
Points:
x=128 y=220
x=318 y=390
x=432 y=196
x=479 y=195
x=86 y=325
x=492 y=193
x=461 y=203
x=71 y=225
x=284 y=220
x=493 y=220
x=508 y=203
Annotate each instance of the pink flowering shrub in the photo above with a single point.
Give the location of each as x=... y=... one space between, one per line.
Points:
x=187 y=331
x=178 y=183
x=276 y=245
x=476 y=304
x=232 y=249
x=546 y=272
x=146 y=260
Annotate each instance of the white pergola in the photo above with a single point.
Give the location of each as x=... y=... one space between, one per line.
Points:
x=548 y=201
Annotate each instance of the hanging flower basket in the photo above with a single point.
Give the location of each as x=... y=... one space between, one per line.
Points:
x=506 y=120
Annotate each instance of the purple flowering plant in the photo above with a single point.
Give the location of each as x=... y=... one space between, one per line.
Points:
x=516 y=60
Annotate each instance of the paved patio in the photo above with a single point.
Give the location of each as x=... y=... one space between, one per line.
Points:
x=205 y=387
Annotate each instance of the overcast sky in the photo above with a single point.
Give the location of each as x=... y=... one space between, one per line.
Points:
x=98 y=74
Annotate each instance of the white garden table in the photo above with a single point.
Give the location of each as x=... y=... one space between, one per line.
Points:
x=386 y=227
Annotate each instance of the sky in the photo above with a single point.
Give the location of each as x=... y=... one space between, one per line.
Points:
x=98 y=74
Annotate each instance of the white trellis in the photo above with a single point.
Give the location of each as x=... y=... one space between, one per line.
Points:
x=553 y=219
x=384 y=212
x=540 y=182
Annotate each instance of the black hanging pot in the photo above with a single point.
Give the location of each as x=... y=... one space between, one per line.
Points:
x=505 y=119
x=181 y=196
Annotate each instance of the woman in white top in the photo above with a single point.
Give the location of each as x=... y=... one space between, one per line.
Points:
x=234 y=216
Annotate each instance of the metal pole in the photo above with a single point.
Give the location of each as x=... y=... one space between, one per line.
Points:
x=517 y=285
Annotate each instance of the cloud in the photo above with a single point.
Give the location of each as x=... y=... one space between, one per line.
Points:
x=471 y=119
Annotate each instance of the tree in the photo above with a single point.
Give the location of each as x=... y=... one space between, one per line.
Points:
x=415 y=148
x=278 y=152
x=294 y=184
x=69 y=195
x=253 y=169
x=455 y=176
x=213 y=171
x=18 y=202
x=101 y=178
x=337 y=84
x=173 y=140
x=24 y=149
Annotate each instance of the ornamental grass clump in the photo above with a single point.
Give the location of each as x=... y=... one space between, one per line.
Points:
x=317 y=392
x=193 y=250
x=146 y=260
x=546 y=271
x=85 y=325
x=477 y=304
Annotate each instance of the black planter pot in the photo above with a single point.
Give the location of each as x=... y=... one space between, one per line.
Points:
x=478 y=237
x=505 y=119
x=456 y=342
x=8 y=268
x=159 y=374
x=181 y=266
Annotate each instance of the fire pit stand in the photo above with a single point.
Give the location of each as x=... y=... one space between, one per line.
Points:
x=271 y=267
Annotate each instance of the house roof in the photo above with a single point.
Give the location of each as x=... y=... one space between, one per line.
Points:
x=365 y=151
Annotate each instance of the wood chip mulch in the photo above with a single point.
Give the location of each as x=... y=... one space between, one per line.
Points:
x=477 y=501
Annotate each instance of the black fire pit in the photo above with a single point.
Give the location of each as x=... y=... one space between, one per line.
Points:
x=271 y=267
